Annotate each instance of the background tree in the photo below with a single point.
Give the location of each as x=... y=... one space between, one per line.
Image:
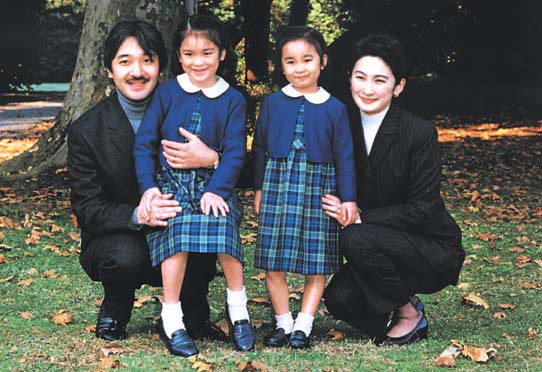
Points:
x=299 y=11
x=256 y=24
x=89 y=82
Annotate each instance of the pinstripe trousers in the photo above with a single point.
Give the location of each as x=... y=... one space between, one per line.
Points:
x=383 y=269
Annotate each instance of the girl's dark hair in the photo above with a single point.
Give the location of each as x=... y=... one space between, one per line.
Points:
x=292 y=33
x=386 y=47
x=210 y=27
x=147 y=36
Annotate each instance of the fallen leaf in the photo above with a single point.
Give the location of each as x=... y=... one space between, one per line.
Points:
x=499 y=315
x=474 y=299
x=90 y=328
x=98 y=302
x=113 y=348
x=538 y=262
x=533 y=333
x=2 y=236
x=516 y=249
x=477 y=354
x=251 y=366
x=335 y=335
x=447 y=357
x=25 y=282
x=201 y=366
x=52 y=248
x=62 y=317
x=260 y=300
x=49 y=274
x=507 y=306
x=299 y=289
x=258 y=277
x=56 y=228
x=258 y=323
x=26 y=315
x=295 y=296
x=73 y=220
x=7 y=278
x=75 y=236
x=224 y=326
x=529 y=285
x=6 y=222
x=3 y=260
x=140 y=301
x=110 y=363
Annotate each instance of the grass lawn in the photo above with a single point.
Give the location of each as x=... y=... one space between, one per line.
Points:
x=492 y=187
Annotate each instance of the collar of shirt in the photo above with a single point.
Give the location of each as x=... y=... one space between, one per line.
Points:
x=318 y=97
x=214 y=91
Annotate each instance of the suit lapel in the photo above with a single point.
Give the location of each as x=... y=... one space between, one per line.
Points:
x=384 y=137
x=360 y=150
x=122 y=135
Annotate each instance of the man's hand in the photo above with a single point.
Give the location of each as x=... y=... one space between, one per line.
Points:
x=210 y=201
x=257 y=200
x=163 y=207
x=190 y=155
x=348 y=214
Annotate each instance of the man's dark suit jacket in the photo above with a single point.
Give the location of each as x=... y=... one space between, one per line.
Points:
x=103 y=181
x=399 y=186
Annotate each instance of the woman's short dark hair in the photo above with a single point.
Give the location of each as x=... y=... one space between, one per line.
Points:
x=147 y=36
x=386 y=47
x=210 y=27
x=292 y=33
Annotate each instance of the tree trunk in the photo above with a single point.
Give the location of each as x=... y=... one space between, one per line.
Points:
x=256 y=14
x=299 y=11
x=89 y=82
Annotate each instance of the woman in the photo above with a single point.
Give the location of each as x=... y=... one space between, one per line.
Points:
x=404 y=242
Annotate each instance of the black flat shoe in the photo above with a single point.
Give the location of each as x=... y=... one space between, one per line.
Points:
x=277 y=338
x=180 y=343
x=299 y=340
x=109 y=329
x=418 y=333
x=208 y=331
x=243 y=335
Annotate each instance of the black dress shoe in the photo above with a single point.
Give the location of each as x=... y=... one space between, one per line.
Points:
x=243 y=335
x=109 y=329
x=299 y=340
x=277 y=338
x=180 y=343
x=208 y=331
x=419 y=332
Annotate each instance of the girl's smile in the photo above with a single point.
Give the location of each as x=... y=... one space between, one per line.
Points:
x=301 y=65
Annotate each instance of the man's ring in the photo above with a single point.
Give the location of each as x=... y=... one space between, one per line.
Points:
x=157 y=216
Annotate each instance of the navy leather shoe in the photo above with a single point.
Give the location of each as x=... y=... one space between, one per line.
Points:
x=419 y=332
x=243 y=335
x=277 y=338
x=109 y=329
x=180 y=343
x=299 y=340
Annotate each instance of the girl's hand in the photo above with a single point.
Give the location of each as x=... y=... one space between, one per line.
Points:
x=145 y=204
x=257 y=200
x=210 y=201
x=349 y=213
x=332 y=206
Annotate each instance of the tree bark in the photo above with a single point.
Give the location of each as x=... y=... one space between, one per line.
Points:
x=89 y=83
x=256 y=14
x=299 y=11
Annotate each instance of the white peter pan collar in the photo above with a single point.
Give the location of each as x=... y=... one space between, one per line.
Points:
x=214 y=91
x=318 y=97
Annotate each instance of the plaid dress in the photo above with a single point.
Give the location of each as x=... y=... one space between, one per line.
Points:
x=191 y=230
x=294 y=233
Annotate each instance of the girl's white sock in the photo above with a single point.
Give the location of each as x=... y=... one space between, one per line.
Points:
x=237 y=304
x=172 y=318
x=285 y=321
x=303 y=322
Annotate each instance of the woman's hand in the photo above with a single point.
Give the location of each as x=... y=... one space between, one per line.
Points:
x=189 y=155
x=257 y=200
x=349 y=213
x=163 y=208
x=345 y=213
x=210 y=201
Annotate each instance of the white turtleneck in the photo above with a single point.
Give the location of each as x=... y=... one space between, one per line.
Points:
x=371 y=124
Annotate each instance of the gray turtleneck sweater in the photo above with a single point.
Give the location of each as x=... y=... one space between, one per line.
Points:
x=134 y=110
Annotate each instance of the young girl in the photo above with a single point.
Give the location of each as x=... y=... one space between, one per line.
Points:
x=204 y=104
x=302 y=151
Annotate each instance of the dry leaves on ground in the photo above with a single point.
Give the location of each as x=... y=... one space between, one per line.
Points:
x=251 y=366
x=62 y=317
x=458 y=348
x=474 y=299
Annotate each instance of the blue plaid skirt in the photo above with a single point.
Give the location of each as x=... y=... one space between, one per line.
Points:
x=294 y=233
x=191 y=230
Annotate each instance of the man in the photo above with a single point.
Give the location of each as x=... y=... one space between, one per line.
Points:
x=105 y=193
